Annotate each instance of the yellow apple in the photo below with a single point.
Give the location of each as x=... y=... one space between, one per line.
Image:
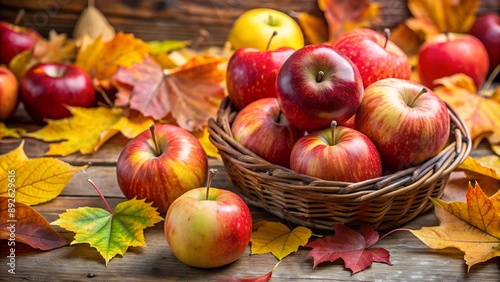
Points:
x=255 y=27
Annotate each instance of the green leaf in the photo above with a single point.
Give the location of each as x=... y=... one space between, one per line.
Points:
x=165 y=46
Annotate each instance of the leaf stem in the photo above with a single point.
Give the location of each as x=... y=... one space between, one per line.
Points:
x=492 y=77
x=392 y=231
x=100 y=194
x=19 y=16
x=211 y=173
x=153 y=135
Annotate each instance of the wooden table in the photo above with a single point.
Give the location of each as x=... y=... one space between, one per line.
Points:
x=411 y=259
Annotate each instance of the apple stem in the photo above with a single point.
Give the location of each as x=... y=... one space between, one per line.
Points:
x=319 y=76
x=333 y=126
x=153 y=135
x=211 y=173
x=387 y=33
x=424 y=90
x=100 y=194
x=19 y=16
x=271 y=39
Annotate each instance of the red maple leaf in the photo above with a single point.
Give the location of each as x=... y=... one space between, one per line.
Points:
x=349 y=245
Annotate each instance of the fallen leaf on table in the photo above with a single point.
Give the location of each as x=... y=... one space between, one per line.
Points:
x=110 y=233
x=472 y=226
x=263 y=278
x=10 y=132
x=486 y=165
x=278 y=239
x=209 y=147
x=28 y=225
x=480 y=114
x=190 y=94
x=353 y=246
x=343 y=15
x=36 y=180
x=98 y=125
x=91 y=24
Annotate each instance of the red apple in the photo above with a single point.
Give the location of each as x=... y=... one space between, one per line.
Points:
x=451 y=53
x=47 y=88
x=161 y=164
x=15 y=39
x=487 y=29
x=338 y=153
x=9 y=98
x=264 y=130
x=374 y=54
x=251 y=74
x=208 y=227
x=316 y=85
x=407 y=122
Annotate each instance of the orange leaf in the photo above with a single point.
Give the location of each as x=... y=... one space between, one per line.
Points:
x=486 y=165
x=263 y=278
x=472 y=227
x=481 y=114
x=21 y=223
x=315 y=29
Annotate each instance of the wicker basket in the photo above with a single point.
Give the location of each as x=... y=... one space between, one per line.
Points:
x=385 y=202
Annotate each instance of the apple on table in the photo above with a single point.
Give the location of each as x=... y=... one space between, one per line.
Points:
x=486 y=28
x=9 y=97
x=15 y=39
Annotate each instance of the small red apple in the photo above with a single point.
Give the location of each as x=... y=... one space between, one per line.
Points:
x=9 y=97
x=263 y=129
x=208 y=227
x=406 y=121
x=161 y=164
x=316 y=85
x=487 y=29
x=47 y=88
x=375 y=55
x=451 y=53
x=15 y=39
x=338 y=153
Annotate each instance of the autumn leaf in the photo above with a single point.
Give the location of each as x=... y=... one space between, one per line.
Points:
x=263 y=278
x=343 y=15
x=350 y=245
x=28 y=225
x=278 y=239
x=190 y=94
x=10 y=132
x=36 y=180
x=111 y=233
x=486 y=165
x=315 y=28
x=99 y=125
x=480 y=114
x=210 y=149
x=472 y=226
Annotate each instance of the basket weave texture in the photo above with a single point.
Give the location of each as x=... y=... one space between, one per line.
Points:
x=385 y=202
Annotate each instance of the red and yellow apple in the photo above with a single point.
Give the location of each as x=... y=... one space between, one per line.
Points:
x=9 y=97
x=208 y=227
x=161 y=164
x=486 y=28
x=406 y=121
x=15 y=39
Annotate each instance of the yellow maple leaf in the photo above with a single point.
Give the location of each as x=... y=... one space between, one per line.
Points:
x=486 y=165
x=35 y=180
x=278 y=239
x=472 y=227
x=10 y=132
x=98 y=124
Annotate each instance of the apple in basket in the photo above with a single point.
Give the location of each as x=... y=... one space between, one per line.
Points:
x=407 y=122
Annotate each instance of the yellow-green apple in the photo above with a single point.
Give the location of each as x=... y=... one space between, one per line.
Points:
x=15 y=39
x=253 y=27
x=338 y=153
x=160 y=164
x=375 y=55
x=316 y=85
x=264 y=130
x=48 y=88
x=9 y=97
x=406 y=121
x=208 y=227
x=486 y=28
x=251 y=74
x=451 y=53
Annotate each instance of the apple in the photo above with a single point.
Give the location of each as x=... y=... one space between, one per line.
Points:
x=451 y=53
x=487 y=29
x=251 y=73
x=406 y=121
x=15 y=39
x=48 y=88
x=316 y=85
x=208 y=227
x=338 y=153
x=160 y=164
x=263 y=129
x=252 y=29
x=375 y=55
x=9 y=97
